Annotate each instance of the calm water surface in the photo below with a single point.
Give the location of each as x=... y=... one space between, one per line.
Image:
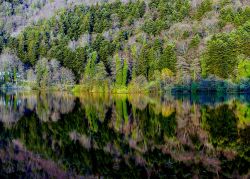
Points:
x=44 y=135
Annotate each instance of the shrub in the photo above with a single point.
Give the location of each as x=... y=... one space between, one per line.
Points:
x=204 y=7
x=195 y=41
x=138 y=85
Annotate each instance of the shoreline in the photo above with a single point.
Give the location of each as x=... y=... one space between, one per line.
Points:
x=173 y=90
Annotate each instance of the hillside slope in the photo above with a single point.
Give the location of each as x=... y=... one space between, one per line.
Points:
x=16 y=15
x=142 y=45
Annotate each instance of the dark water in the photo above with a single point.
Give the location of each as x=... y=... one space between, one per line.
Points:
x=44 y=135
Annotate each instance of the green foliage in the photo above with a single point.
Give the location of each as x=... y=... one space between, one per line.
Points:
x=86 y=38
x=195 y=41
x=154 y=27
x=186 y=34
x=221 y=56
x=1 y=43
x=119 y=71
x=42 y=73
x=90 y=67
x=101 y=73
x=203 y=67
x=6 y=77
x=125 y=73
x=15 y=75
x=170 y=11
x=168 y=58
x=225 y=2
x=204 y=7
x=222 y=125
x=143 y=62
x=243 y=38
x=50 y=38
x=243 y=70
x=138 y=85
x=153 y=57
x=238 y=18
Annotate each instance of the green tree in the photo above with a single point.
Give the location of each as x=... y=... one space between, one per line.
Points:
x=90 y=67
x=101 y=73
x=143 y=66
x=14 y=75
x=204 y=7
x=195 y=41
x=125 y=72
x=119 y=71
x=42 y=73
x=168 y=58
x=221 y=56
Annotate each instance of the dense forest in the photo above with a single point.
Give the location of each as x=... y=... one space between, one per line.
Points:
x=127 y=46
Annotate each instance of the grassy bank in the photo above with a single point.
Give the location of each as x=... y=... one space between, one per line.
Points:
x=202 y=86
x=96 y=89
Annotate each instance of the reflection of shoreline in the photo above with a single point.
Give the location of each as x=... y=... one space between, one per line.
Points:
x=133 y=128
x=48 y=106
x=212 y=98
x=11 y=108
x=190 y=141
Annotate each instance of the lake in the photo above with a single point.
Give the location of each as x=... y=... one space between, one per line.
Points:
x=61 y=135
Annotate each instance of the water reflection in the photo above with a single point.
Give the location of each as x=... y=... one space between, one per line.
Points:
x=122 y=136
x=47 y=106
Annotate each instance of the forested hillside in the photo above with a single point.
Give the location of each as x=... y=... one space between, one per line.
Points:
x=130 y=45
x=15 y=15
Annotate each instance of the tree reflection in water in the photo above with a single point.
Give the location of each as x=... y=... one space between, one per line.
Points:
x=124 y=136
x=47 y=106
